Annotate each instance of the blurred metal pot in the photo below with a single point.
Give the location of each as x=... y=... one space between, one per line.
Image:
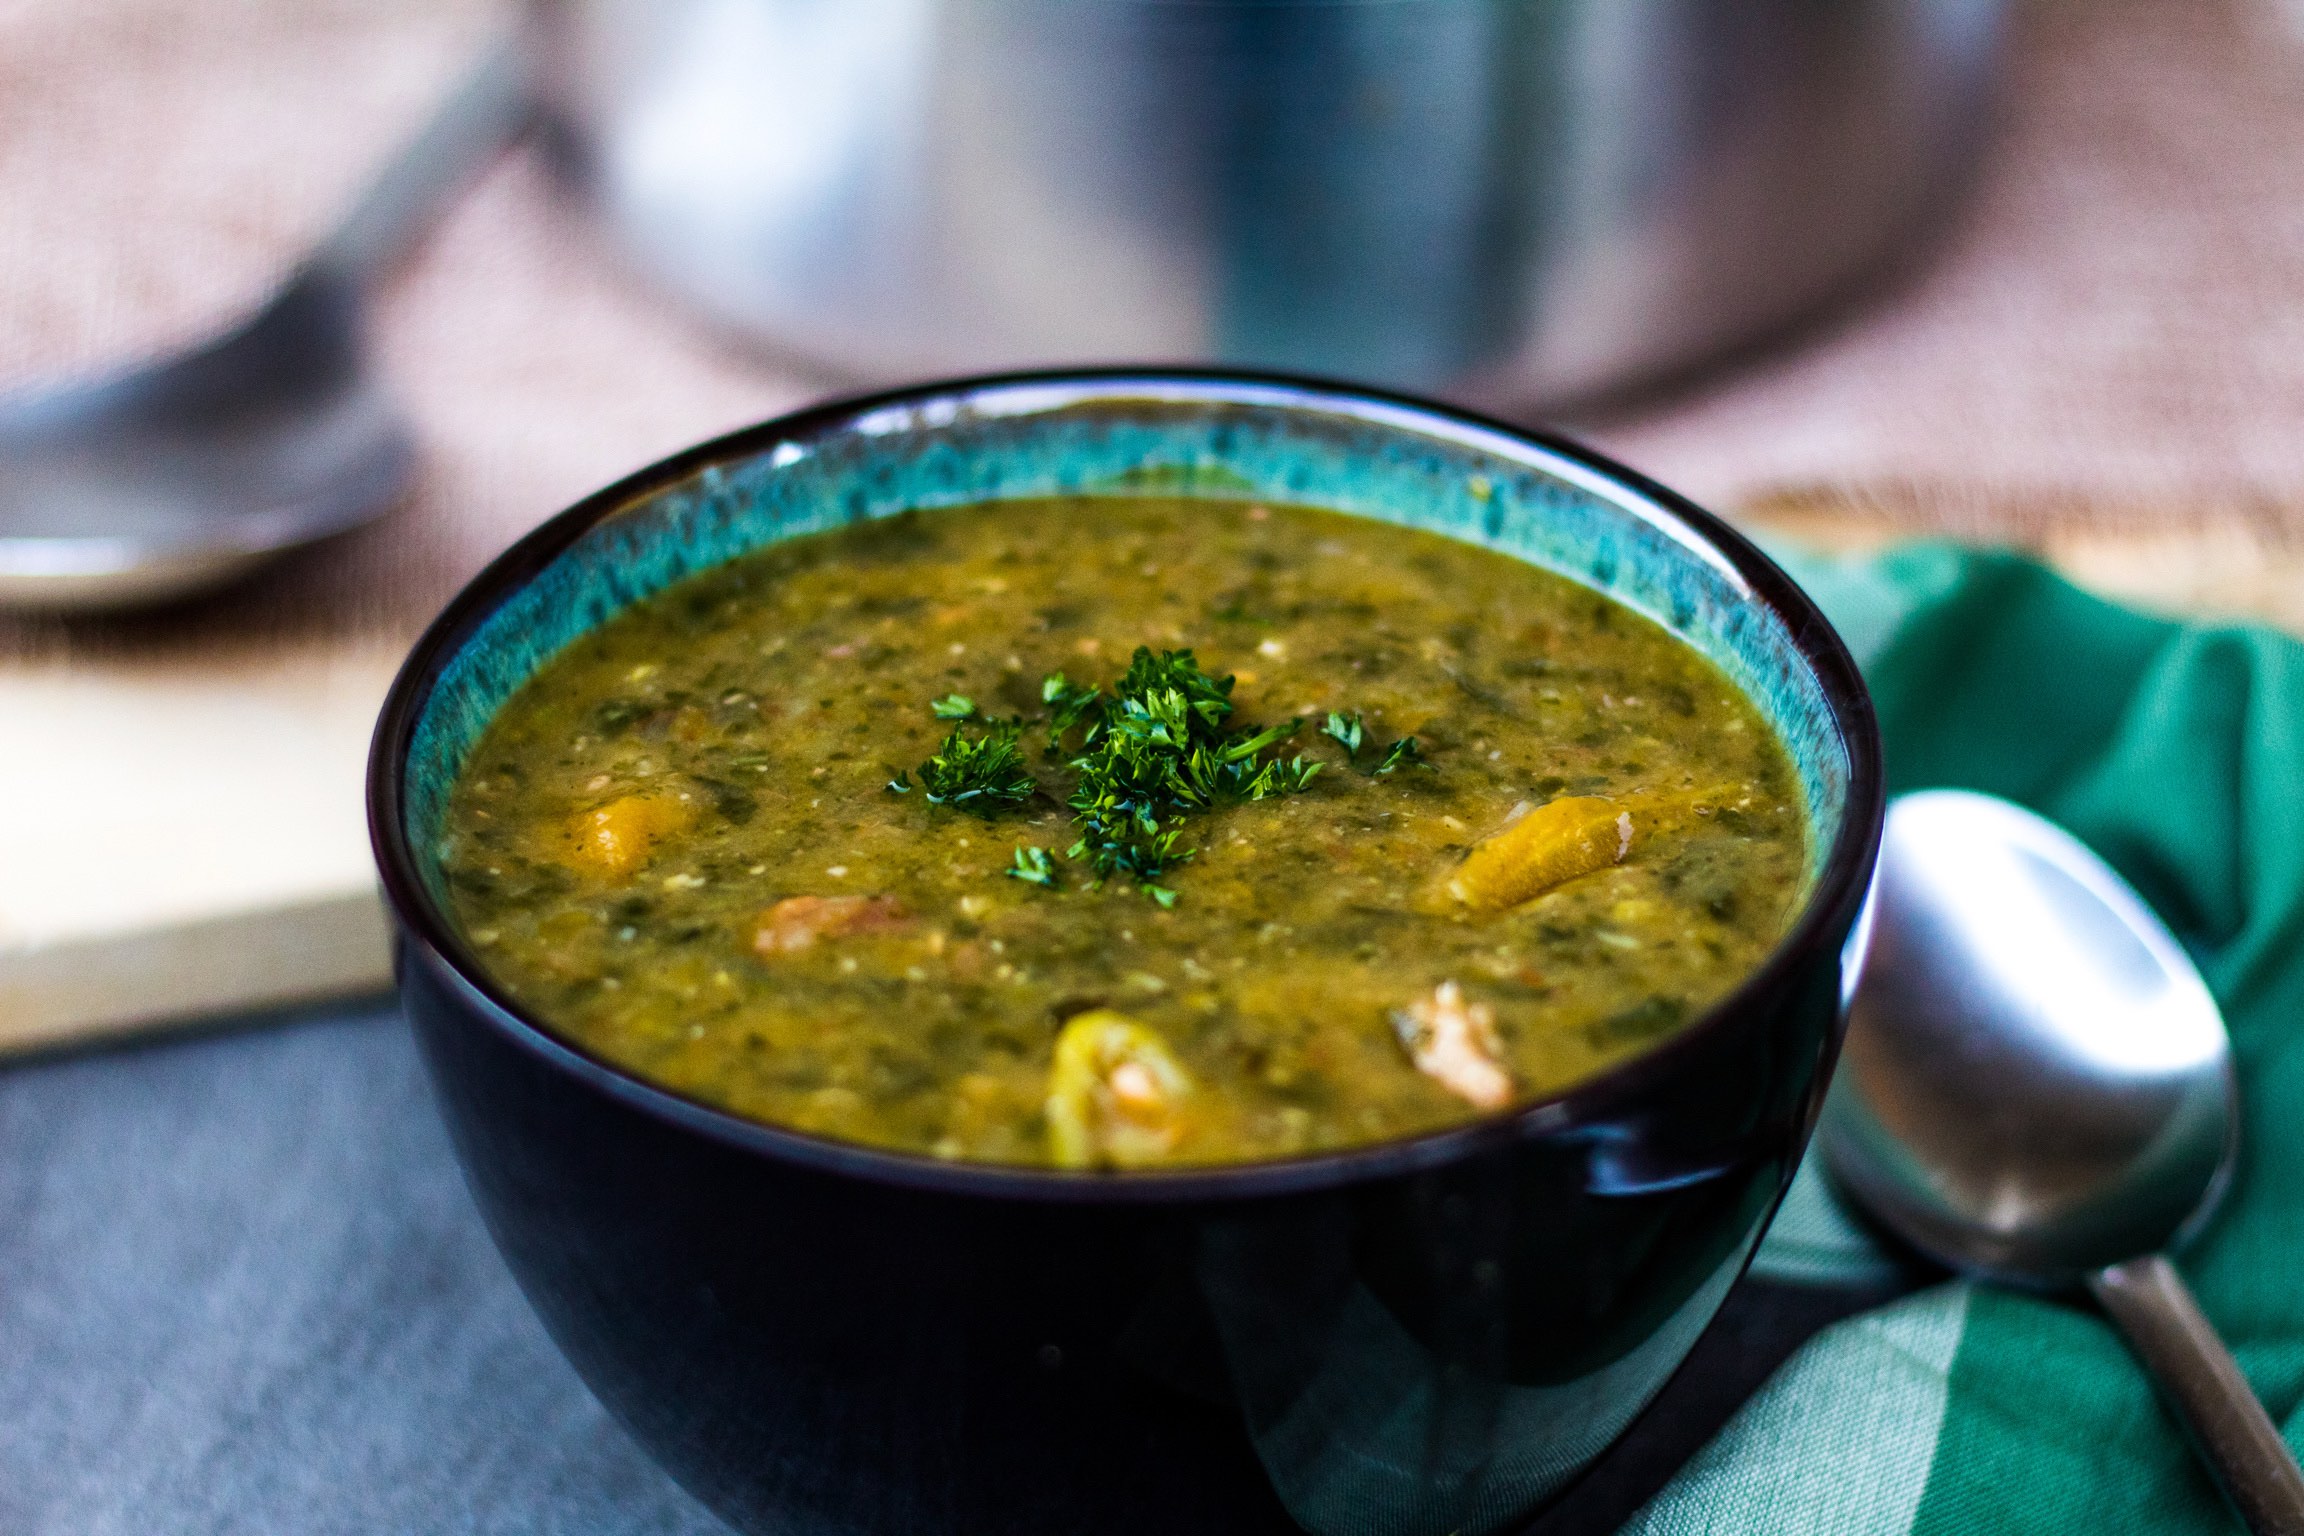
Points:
x=1512 y=201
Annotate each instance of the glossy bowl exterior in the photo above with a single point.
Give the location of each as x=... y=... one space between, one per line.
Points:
x=1513 y=202
x=1405 y=1340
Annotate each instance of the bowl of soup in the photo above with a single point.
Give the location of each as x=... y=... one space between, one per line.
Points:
x=1134 y=950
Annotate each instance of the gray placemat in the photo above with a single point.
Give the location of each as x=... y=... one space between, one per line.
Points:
x=242 y=1289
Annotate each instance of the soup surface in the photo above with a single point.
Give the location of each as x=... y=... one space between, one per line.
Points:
x=893 y=835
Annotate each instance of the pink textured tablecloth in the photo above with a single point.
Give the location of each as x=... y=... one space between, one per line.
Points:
x=2116 y=314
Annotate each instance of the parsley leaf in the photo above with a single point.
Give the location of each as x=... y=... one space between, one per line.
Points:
x=1160 y=747
x=979 y=775
x=1068 y=706
x=1034 y=867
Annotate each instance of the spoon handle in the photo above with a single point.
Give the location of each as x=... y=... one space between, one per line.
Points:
x=488 y=109
x=2198 y=1377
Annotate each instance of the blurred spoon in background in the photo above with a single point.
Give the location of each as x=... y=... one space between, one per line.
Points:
x=183 y=472
x=2037 y=1089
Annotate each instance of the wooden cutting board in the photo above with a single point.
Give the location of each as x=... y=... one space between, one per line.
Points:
x=182 y=838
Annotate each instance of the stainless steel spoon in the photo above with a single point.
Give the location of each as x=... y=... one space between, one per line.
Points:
x=2038 y=1089
x=183 y=472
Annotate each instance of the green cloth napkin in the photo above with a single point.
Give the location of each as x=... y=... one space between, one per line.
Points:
x=2177 y=752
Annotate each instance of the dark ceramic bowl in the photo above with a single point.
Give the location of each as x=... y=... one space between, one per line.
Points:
x=1427 y=1336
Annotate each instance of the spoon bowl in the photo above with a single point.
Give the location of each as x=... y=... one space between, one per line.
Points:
x=175 y=477
x=182 y=473
x=2036 y=1083
x=2037 y=1088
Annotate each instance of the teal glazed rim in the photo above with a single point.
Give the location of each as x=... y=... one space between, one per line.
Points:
x=1198 y=433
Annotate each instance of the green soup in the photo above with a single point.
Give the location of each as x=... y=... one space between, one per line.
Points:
x=926 y=834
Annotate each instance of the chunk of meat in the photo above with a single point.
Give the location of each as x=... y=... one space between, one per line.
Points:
x=617 y=838
x=1117 y=1095
x=1454 y=1043
x=1549 y=846
x=796 y=922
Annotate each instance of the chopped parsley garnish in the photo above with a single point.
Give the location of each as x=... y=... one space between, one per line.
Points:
x=1069 y=705
x=1033 y=866
x=1160 y=746
x=1352 y=734
x=1401 y=754
x=979 y=775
